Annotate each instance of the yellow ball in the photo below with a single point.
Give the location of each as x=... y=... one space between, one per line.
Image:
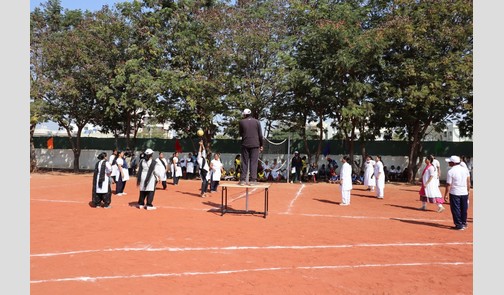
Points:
x=200 y=133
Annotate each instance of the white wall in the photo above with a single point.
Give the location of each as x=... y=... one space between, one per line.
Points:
x=63 y=159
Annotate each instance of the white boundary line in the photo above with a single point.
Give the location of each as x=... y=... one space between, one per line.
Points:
x=295 y=198
x=239 y=248
x=226 y=272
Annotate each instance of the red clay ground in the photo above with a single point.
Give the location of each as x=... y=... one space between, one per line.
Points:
x=307 y=244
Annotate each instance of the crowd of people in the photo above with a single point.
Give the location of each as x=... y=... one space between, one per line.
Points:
x=121 y=165
x=249 y=169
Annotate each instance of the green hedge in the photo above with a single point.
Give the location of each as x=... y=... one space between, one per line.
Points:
x=386 y=148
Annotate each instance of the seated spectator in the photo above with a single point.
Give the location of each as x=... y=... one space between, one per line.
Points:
x=331 y=164
x=386 y=171
x=357 y=179
x=267 y=169
x=261 y=175
x=398 y=173
x=333 y=176
x=403 y=176
x=392 y=173
x=312 y=172
x=275 y=174
x=229 y=175
x=322 y=173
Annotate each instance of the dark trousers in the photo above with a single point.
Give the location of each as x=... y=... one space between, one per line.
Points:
x=175 y=179
x=102 y=197
x=204 y=181
x=458 y=207
x=213 y=185
x=146 y=194
x=120 y=185
x=249 y=161
x=163 y=182
x=297 y=175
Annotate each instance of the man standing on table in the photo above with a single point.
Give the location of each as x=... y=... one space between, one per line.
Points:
x=251 y=145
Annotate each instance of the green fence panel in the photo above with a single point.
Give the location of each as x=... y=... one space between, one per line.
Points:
x=336 y=147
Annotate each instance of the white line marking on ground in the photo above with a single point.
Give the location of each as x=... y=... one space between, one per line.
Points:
x=242 y=195
x=235 y=248
x=225 y=272
x=295 y=198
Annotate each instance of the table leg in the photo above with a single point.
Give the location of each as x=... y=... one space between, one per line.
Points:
x=246 y=199
x=223 y=203
x=265 y=202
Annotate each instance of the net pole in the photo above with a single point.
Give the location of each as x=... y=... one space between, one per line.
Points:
x=288 y=159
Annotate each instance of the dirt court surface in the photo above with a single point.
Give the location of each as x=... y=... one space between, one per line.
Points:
x=307 y=244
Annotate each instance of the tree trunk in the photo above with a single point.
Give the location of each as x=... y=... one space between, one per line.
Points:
x=33 y=157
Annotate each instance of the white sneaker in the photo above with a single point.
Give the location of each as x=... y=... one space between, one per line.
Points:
x=440 y=209
x=119 y=194
x=150 y=208
x=344 y=204
x=380 y=197
x=140 y=206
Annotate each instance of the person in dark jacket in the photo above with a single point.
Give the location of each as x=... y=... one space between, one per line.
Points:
x=251 y=145
x=297 y=166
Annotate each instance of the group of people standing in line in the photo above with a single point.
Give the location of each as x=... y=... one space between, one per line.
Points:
x=115 y=170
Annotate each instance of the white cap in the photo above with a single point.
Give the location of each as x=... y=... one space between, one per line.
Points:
x=296 y=152
x=149 y=152
x=247 y=112
x=453 y=159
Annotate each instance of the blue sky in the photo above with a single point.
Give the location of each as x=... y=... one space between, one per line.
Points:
x=92 y=5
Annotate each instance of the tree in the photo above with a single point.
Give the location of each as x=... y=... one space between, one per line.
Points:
x=76 y=71
x=329 y=67
x=134 y=61
x=192 y=74
x=427 y=77
x=252 y=41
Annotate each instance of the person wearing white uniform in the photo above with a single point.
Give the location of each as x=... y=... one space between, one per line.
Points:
x=146 y=181
x=379 y=175
x=216 y=169
x=112 y=160
x=437 y=165
x=429 y=192
x=345 y=181
x=122 y=174
x=101 y=182
x=189 y=166
x=175 y=168
x=369 y=180
x=162 y=166
x=458 y=185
